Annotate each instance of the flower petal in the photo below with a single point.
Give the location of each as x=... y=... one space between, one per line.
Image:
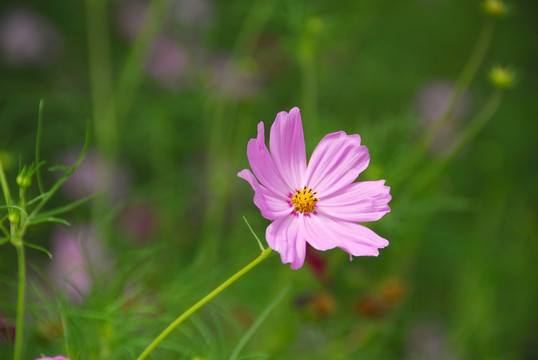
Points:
x=324 y=233
x=263 y=166
x=357 y=202
x=336 y=162
x=271 y=205
x=286 y=236
x=287 y=147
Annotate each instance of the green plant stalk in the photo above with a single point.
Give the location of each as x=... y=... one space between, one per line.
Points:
x=48 y=195
x=100 y=76
x=202 y=302
x=19 y=247
x=467 y=75
x=19 y=330
x=38 y=146
x=7 y=195
x=3 y=182
x=464 y=79
x=470 y=132
x=250 y=332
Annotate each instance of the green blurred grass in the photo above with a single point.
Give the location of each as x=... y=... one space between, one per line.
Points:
x=463 y=248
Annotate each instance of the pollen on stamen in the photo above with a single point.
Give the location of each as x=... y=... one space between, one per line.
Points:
x=304 y=201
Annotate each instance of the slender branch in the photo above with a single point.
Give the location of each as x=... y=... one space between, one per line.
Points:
x=470 y=132
x=3 y=182
x=38 y=146
x=464 y=79
x=57 y=185
x=202 y=302
x=258 y=322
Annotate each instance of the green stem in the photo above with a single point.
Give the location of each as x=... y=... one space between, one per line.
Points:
x=258 y=322
x=470 y=132
x=202 y=302
x=38 y=147
x=100 y=76
x=3 y=182
x=467 y=75
x=20 y=302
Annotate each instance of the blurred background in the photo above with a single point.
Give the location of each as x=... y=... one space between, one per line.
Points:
x=174 y=90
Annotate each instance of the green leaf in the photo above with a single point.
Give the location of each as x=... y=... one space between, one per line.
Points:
x=253 y=233
x=37 y=247
x=36 y=199
x=14 y=207
x=71 y=206
x=64 y=177
x=3 y=240
x=42 y=219
x=2 y=227
x=58 y=167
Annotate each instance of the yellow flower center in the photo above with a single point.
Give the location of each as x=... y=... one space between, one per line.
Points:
x=304 y=200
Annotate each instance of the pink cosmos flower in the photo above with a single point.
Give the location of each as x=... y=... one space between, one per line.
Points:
x=53 y=358
x=316 y=203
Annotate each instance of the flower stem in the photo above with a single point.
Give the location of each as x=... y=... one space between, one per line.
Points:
x=20 y=301
x=467 y=75
x=202 y=302
x=464 y=79
x=470 y=132
x=3 y=183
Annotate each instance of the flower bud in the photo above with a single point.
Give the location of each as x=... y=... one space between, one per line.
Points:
x=24 y=179
x=501 y=77
x=14 y=217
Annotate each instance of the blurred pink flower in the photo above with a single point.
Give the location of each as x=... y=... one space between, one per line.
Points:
x=229 y=80
x=194 y=12
x=167 y=62
x=139 y=221
x=77 y=256
x=130 y=16
x=94 y=174
x=432 y=101
x=53 y=358
x=27 y=38
x=316 y=203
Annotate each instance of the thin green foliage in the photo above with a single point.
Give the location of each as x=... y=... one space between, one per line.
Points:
x=262 y=248
x=57 y=185
x=257 y=323
x=69 y=207
x=37 y=247
x=38 y=145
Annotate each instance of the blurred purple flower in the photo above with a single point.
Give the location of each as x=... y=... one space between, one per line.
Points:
x=431 y=102
x=167 y=62
x=230 y=80
x=139 y=222
x=27 y=38
x=130 y=16
x=77 y=256
x=7 y=332
x=426 y=339
x=194 y=12
x=53 y=358
x=94 y=174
